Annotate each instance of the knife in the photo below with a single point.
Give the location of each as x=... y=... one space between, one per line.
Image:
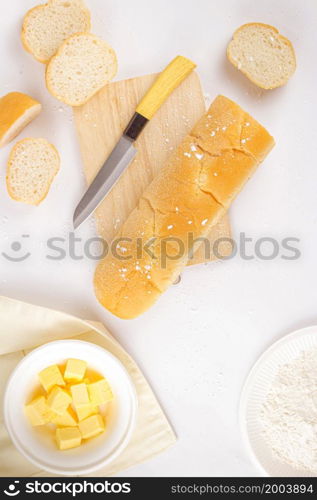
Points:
x=124 y=152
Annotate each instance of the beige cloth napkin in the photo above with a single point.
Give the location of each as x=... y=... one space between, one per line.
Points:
x=24 y=327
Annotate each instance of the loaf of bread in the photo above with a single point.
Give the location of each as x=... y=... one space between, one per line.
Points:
x=261 y=53
x=182 y=203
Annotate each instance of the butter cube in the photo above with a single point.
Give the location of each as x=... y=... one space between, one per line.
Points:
x=80 y=394
x=100 y=392
x=58 y=400
x=51 y=376
x=38 y=412
x=68 y=437
x=85 y=411
x=81 y=401
x=67 y=419
x=91 y=426
x=75 y=370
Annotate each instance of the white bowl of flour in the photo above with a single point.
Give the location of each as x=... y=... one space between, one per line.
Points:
x=278 y=407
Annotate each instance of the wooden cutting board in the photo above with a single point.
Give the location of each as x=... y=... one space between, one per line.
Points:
x=100 y=124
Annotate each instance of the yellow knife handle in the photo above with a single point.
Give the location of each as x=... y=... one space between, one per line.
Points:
x=168 y=80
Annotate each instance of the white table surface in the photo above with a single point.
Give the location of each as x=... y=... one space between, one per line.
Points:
x=198 y=343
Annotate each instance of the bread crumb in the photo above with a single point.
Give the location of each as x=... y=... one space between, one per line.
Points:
x=204 y=222
x=199 y=156
x=123 y=249
x=188 y=155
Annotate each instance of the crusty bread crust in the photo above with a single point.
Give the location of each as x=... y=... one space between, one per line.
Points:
x=17 y=110
x=10 y=164
x=255 y=24
x=188 y=197
x=49 y=74
x=245 y=72
x=38 y=8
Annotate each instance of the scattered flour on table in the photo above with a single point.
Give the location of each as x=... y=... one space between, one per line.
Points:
x=289 y=413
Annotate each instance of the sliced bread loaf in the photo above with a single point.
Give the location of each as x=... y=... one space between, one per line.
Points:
x=180 y=206
x=82 y=66
x=262 y=54
x=32 y=166
x=46 y=27
x=17 y=110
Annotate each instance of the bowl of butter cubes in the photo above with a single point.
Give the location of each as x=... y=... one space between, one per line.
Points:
x=70 y=407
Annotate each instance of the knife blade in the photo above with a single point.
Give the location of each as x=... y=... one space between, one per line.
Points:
x=124 y=152
x=119 y=159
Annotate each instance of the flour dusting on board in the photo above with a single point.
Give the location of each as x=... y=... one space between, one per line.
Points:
x=289 y=413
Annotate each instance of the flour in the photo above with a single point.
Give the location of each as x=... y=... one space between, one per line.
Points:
x=289 y=413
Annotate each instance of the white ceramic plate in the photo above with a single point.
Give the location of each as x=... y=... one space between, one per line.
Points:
x=255 y=390
x=36 y=444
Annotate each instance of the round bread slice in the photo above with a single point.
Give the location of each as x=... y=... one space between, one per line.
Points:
x=17 y=110
x=262 y=54
x=83 y=65
x=32 y=166
x=47 y=26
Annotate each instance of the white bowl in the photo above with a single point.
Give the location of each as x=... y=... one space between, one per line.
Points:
x=36 y=443
x=254 y=393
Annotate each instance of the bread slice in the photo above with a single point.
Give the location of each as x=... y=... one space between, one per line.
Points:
x=83 y=65
x=262 y=54
x=47 y=26
x=32 y=166
x=17 y=110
